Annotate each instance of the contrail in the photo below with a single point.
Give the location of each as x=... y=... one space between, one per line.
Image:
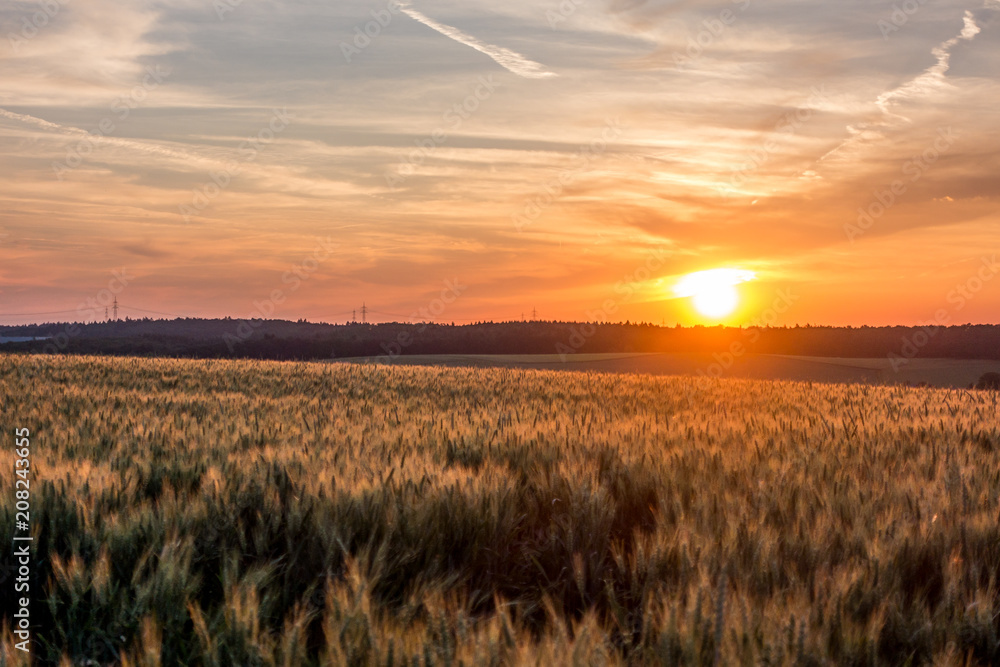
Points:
x=291 y=180
x=114 y=141
x=926 y=82
x=934 y=74
x=509 y=60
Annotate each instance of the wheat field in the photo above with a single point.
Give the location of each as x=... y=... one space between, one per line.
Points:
x=267 y=513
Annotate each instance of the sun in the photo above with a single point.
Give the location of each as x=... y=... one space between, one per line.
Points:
x=713 y=293
x=716 y=302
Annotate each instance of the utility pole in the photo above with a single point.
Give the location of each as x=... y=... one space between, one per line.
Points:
x=114 y=307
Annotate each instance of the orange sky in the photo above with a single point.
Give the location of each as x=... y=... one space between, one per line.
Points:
x=269 y=158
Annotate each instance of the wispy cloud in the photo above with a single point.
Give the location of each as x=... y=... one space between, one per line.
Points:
x=277 y=176
x=928 y=81
x=933 y=77
x=509 y=60
x=144 y=146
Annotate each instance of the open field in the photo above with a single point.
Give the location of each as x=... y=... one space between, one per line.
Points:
x=954 y=373
x=267 y=513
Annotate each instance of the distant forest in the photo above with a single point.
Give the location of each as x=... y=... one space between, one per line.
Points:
x=280 y=339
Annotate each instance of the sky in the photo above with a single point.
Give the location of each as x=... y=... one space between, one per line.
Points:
x=467 y=161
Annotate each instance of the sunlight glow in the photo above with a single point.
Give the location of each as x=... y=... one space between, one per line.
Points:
x=713 y=292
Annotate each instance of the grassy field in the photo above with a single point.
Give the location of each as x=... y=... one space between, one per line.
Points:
x=953 y=373
x=265 y=513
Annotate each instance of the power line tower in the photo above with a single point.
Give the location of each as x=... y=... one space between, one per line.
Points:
x=114 y=307
x=106 y=318
x=534 y=313
x=354 y=315
x=364 y=313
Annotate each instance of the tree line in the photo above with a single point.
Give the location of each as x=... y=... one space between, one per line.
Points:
x=281 y=339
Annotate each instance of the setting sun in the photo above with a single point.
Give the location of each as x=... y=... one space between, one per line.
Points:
x=713 y=293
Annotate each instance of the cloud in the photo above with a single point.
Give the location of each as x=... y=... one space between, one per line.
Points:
x=928 y=81
x=509 y=60
x=182 y=156
x=933 y=76
x=278 y=177
x=72 y=53
x=146 y=249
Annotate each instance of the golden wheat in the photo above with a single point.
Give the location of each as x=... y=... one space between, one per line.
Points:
x=239 y=512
